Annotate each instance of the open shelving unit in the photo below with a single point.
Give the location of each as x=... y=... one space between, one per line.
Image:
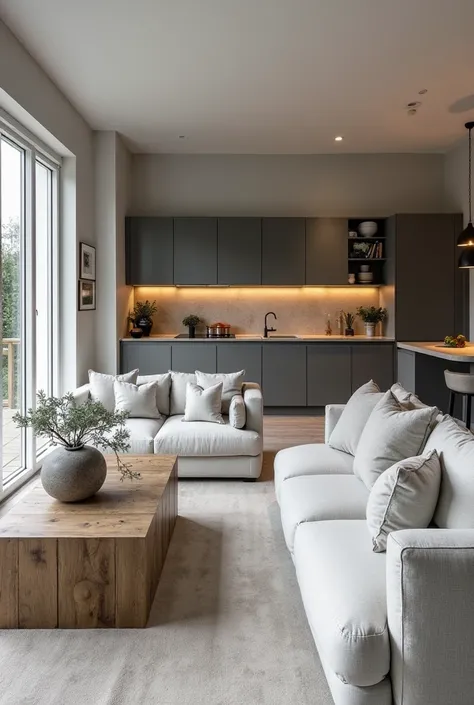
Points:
x=358 y=249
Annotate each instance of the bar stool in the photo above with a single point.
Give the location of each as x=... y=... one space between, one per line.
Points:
x=460 y=383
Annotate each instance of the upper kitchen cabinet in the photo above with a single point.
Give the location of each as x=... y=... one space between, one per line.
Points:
x=195 y=251
x=430 y=298
x=239 y=251
x=283 y=251
x=326 y=251
x=149 y=250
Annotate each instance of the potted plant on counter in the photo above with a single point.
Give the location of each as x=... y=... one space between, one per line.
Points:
x=142 y=316
x=191 y=322
x=371 y=316
x=75 y=470
x=349 y=319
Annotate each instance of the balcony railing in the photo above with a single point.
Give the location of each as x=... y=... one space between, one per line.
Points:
x=8 y=351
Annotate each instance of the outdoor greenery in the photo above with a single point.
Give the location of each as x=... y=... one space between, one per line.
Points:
x=64 y=423
x=10 y=294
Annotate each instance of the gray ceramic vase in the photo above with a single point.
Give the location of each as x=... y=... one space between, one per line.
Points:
x=72 y=475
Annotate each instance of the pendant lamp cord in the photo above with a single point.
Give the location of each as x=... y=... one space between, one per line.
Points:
x=470 y=211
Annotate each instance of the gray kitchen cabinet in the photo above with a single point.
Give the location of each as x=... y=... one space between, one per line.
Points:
x=372 y=361
x=326 y=251
x=189 y=357
x=239 y=251
x=149 y=357
x=232 y=357
x=195 y=251
x=283 y=251
x=149 y=250
x=284 y=374
x=328 y=374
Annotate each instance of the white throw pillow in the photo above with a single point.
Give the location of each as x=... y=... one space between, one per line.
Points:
x=237 y=412
x=231 y=385
x=455 y=447
x=179 y=381
x=407 y=399
x=102 y=386
x=203 y=404
x=391 y=434
x=348 y=430
x=163 y=390
x=138 y=401
x=403 y=497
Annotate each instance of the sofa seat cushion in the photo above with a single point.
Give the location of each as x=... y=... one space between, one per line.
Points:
x=142 y=434
x=320 y=498
x=310 y=459
x=343 y=586
x=201 y=438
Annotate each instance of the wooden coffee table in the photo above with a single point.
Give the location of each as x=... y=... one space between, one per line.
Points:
x=92 y=564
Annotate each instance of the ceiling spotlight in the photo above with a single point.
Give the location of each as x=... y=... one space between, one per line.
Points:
x=423 y=91
x=182 y=137
x=339 y=138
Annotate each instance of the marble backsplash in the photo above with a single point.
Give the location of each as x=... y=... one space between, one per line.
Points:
x=300 y=310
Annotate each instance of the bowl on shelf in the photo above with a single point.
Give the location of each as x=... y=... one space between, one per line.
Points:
x=367 y=228
x=365 y=277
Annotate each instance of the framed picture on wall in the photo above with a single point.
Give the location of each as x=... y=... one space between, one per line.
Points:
x=87 y=261
x=86 y=301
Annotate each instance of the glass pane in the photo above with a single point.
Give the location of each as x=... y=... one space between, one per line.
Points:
x=12 y=224
x=43 y=278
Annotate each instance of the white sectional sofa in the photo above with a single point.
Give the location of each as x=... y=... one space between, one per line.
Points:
x=394 y=628
x=204 y=449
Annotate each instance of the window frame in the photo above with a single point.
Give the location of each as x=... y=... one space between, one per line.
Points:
x=34 y=151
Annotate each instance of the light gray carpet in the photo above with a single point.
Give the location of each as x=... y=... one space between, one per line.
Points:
x=227 y=626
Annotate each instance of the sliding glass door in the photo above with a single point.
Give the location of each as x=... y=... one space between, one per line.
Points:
x=28 y=219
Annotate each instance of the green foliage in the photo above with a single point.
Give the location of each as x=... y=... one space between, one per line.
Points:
x=64 y=423
x=10 y=293
x=143 y=309
x=371 y=314
x=191 y=320
x=349 y=319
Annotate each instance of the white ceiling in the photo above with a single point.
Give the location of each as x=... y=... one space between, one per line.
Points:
x=259 y=76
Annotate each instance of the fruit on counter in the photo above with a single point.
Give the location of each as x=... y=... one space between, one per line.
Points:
x=458 y=342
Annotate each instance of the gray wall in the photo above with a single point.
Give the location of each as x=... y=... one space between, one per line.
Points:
x=351 y=184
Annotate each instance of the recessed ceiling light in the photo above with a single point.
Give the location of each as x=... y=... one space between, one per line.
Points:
x=423 y=91
x=339 y=138
x=182 y=137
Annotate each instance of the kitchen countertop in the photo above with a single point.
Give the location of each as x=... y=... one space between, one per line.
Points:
x=259 y=338
x=437 y=350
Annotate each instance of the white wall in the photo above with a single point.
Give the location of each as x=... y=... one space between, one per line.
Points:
x=112 y=175
x=351 y=184
x=28 y=93
x=456 y=199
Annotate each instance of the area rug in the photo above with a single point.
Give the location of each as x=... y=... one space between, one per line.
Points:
x=227 y=626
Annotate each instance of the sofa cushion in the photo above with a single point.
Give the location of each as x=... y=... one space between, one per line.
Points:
x=320 y=498
x=102 y=386
x=138 y=401
x=342 y=583
x=142 y=434
x=179 y=380
x=348 y=430
x=403 y=497
x=237 y=412
x=310 y=459
x=162 y=392
x=203 y=404
x=455 y=447
x=202 y=438
x=231 y=385
x=391 y=434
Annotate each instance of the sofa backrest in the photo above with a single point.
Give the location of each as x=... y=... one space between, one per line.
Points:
x=455 y=447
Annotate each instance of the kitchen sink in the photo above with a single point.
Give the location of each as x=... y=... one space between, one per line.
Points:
x=283 y=336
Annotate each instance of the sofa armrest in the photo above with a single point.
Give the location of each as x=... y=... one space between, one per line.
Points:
x=253 y=401
x=430 y=588
x=332 y=415
x=81 y=394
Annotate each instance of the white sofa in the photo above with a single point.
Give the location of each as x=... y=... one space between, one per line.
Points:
x=204 y=449
x=394 y=628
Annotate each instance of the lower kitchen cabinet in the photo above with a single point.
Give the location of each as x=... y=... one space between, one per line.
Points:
x=232 y=357
x=328 y=374
x=189 y=357
x=372 y=361
x=284 y=374
x=150 y=358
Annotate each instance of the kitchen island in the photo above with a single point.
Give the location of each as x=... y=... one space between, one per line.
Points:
x=421 y=368
x=298 y=374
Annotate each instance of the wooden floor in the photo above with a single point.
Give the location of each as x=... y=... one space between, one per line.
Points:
x=284 y=431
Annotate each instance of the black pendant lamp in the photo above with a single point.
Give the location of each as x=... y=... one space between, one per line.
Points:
x=466 y=238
